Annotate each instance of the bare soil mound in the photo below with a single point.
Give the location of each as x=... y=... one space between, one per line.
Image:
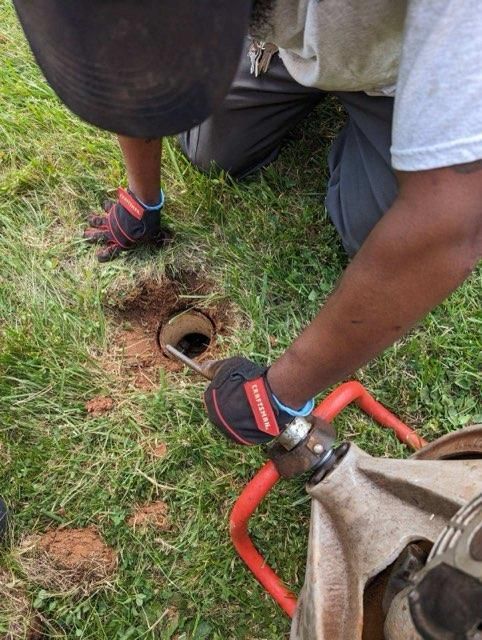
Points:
x=68 y=559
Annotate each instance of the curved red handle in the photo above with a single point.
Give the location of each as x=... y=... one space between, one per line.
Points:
x=257 y=488
x=252 y=495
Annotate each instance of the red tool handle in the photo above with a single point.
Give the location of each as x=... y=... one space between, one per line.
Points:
x=262 y=483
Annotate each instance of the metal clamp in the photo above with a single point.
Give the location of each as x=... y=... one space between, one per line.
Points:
x=305 y=445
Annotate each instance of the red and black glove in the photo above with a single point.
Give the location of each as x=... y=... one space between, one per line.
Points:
x=126 y=225
x=241 y=404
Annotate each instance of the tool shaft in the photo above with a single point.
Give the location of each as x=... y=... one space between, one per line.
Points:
x=186 y=360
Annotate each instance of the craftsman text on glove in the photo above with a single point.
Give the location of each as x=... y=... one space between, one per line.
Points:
x=261 y=407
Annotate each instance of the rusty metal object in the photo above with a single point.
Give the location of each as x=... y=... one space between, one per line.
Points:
x=294 y=433
x=189 y=332
x=206 y=369
x=399 y=624
x=462 y=444
x=409 y=563
x=443 y=599
x=364 y=514
x=305 y=445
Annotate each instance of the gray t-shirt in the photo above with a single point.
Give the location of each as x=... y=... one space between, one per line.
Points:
x=429 y=51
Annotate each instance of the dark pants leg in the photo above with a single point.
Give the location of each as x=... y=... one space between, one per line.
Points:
x=362 y=185
x=246 y=132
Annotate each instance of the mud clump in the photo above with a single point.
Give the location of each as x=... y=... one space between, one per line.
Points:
x=99 y=405
x=150 y=514
x=147 y=307
x=68 y=560
x=17 y=617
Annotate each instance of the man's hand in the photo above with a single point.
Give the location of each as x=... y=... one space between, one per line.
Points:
x=126 y=224
x=422 y=249
x=241 y=404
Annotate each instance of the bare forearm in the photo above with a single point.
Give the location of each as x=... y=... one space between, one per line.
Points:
x=406 y=267
x=143 y=164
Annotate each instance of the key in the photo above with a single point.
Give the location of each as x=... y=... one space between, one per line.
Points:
x=267 y=54
x=254 y=53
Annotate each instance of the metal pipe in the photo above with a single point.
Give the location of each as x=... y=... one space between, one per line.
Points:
x=203 y=369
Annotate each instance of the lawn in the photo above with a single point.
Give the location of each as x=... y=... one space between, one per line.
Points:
x=266 y=256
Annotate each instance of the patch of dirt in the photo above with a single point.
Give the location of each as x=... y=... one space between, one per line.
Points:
x=156 y=449
x=68 y=559
x=150 y=514
x=135 y=352
x=81 y=549
x=99 y=405
x=17 y=616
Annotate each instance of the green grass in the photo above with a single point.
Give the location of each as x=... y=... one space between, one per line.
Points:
x=270 y=249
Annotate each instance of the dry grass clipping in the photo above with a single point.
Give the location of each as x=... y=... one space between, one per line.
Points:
x=18 y=621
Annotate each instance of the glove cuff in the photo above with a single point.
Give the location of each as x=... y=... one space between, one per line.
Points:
x=150 y=207
x=134 y=206
x=302 y=412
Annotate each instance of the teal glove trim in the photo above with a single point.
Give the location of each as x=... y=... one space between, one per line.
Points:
x=304 y=411
x=151 y=207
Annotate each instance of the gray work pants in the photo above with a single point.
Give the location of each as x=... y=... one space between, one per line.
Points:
x=246 y=133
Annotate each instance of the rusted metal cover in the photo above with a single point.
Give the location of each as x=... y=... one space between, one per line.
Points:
x=364 y=513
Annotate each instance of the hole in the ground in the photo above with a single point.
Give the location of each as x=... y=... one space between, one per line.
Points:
x=141 y=311
x=191 y=332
